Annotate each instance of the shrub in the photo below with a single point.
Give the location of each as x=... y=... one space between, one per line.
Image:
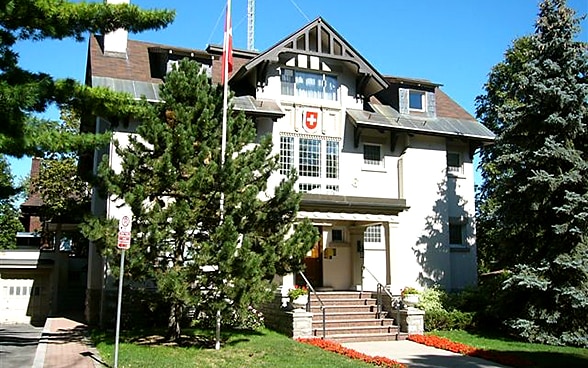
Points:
x=249 y=319
x=442 y=319
x=431 y=300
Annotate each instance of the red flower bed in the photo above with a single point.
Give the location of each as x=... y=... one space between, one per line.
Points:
x=350 y=353
x=457 y=347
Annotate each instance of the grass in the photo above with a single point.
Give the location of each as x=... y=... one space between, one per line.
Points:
x=541 y=356
x=263 y=348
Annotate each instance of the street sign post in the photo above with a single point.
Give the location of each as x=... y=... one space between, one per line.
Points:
x=123 y=243
x=124 y=233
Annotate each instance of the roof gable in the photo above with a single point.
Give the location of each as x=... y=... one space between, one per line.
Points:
x=317 y=38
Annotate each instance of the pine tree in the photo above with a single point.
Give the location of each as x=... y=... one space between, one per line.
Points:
x=534 y=208
x=23 y=94
x=172 y=179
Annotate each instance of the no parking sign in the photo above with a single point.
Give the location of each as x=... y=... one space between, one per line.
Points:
x=124 y=232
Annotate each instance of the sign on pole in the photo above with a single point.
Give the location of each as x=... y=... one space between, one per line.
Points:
x=124 y=243
x=124 y=232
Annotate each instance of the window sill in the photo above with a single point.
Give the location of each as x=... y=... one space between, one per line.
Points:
x=458 y=248
x=373 y=168
x=310 y=102
x=456 y=175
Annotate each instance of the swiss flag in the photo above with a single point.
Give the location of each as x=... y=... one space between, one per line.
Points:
x=310 y=120
x=227 y=61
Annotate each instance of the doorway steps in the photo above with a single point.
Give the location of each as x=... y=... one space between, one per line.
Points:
x=352 y=316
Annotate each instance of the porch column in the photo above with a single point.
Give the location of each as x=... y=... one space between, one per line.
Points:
x=386 y=227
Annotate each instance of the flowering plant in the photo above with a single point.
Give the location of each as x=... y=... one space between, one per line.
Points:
x=502 y=357
x=297 y=291
x=408 y=290
x=350 y=353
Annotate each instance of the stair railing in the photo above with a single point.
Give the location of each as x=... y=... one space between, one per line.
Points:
x=394 y=299
x=322 y=306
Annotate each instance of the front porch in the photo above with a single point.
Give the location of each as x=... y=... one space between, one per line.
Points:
x=345 y=316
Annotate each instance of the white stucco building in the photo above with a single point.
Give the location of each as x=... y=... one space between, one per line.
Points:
x=385 y=163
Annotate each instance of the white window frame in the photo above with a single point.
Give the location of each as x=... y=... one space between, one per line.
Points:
x=452 y=169
x=373 y=165
x=321 y=183
x=423 y=96
x=372 y=234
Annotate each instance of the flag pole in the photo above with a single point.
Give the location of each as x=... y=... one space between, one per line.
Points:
x=225 y=78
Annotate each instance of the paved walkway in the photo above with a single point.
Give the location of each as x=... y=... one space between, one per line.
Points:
x=64 y=344
x=419 y=355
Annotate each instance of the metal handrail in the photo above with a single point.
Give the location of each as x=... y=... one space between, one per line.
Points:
x=322 y=306
x=381 y=286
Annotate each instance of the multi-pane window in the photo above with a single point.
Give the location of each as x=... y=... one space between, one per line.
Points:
x=372 y=234
x=316 y=160
x=453 y=162
x=307 y=187
x=287 y=79
x=371 y=155
x=309 y=158
x=286 y=154
x=332 y=159
x=309 y=84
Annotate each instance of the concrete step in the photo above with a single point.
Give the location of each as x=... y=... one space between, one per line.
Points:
x=368 y=337
x=344 y=315
x=343 y=301
x=353 y=330
x=343 y=295
x=330 y=323
x=344 y=308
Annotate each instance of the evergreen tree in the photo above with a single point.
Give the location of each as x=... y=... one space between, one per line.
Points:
x=24 y=94
x=66 y=196
x=534 y=202
x=172 y=179
x=9 y=222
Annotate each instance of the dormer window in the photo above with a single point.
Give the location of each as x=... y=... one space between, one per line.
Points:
x=309 y=84
x=416 y=100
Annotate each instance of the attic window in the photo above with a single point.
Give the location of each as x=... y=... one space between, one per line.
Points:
x=416 y=100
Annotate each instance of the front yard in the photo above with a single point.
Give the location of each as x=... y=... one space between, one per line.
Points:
x=538 y=355
x=263 y=348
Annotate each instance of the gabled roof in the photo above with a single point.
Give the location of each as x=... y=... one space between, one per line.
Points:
x=317 y=38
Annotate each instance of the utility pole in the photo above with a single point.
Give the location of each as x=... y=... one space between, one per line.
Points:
x=250 y=24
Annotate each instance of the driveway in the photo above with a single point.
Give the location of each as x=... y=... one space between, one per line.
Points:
x=18 y=345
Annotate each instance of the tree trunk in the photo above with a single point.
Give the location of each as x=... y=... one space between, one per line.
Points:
x=173 y=322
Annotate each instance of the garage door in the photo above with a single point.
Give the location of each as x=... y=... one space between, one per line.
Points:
x=22 y=299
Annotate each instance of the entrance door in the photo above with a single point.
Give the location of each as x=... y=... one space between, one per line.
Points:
x=314 y=263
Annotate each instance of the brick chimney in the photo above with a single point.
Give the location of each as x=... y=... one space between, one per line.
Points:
x=115 y=43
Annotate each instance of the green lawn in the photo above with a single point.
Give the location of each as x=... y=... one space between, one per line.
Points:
x=264 y=348
x=541 y=356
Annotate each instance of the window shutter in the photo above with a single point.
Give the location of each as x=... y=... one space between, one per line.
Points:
x=403 y=100
x=431 y=105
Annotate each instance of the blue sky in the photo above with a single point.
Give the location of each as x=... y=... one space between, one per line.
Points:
x=452 y=42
